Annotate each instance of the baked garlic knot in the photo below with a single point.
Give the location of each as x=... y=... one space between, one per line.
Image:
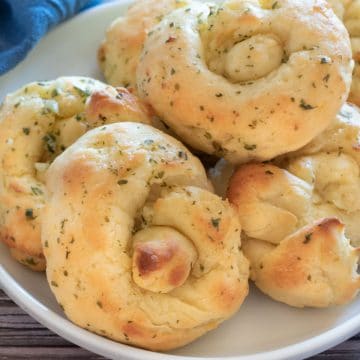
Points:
x=37 y=123
x=141 y=251
x=247 y=80
x=119 y=53
x=293 y=235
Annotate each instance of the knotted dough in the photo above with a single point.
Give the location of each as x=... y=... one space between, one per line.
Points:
x=247 y=79
x=142 y=252
x=298 y=255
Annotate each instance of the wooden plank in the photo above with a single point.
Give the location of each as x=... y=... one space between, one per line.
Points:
x=22 y=337
x=32 y=353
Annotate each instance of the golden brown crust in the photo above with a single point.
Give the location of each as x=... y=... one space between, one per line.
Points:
x=141 y=252
x=38 y=122
x=104 y=108
x=162 y=258
x=149 y=259
x=314 y=266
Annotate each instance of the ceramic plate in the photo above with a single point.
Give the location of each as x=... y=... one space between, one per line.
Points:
x=262 y=329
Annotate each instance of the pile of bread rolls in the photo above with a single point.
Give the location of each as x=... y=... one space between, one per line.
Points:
x=139 y=245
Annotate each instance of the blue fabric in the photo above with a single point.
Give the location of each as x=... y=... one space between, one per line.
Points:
x=24 y=22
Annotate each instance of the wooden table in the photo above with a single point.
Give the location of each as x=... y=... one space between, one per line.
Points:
x=21 y=337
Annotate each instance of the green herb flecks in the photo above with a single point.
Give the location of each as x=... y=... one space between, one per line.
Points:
x=50 y=142
x=215 y=223
x=304 y=105
x=29 y=213
x=122 y=182
x=307 y=238
x=250 y=147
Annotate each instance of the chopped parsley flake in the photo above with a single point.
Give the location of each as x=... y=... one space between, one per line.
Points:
x=249 y=147
x=307 y=238
x=182 y=155
x=326 y=77
x=36 y=191
x=148 y=141
x=324 y=60
x=160 y=175
x=29 y=213
x=50 y=142
x=215 y=223
x=305 y=105
x=83 y=93
x=122 y=182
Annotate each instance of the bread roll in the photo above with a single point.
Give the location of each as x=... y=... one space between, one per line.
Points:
x=247 y=79
x=141 y=252
x=293 y=237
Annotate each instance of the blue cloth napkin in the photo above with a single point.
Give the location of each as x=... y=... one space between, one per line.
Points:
x=24 y=22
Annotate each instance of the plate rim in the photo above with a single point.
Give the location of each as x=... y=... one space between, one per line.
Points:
x=83 y=338
x=112 y=349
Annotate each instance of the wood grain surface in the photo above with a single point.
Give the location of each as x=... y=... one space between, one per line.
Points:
x=21 y=337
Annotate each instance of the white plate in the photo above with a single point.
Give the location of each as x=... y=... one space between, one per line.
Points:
x=262 y=329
